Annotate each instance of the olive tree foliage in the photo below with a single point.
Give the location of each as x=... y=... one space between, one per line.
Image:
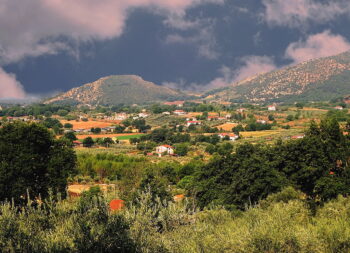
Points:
x=32 y=161
x=81 y=225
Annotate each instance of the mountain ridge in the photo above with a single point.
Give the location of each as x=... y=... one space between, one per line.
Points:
x=315 y=79
x=118 y=89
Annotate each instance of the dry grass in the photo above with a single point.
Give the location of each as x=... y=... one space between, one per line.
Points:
x=314 y=109
x=88 y=124
x=192 y=114
x=227 y=126
x=80 y=188
x=257 y=134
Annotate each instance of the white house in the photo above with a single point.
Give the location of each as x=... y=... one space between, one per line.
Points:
x=143 y=115
x=165 y=149
x=271 y=108
x=261 y=121
x=338 y=108
x=232 y=136
x=121 y=116
x=193 y=122
x=179 y=112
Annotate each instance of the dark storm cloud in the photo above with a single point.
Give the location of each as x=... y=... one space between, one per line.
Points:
x=191 y=44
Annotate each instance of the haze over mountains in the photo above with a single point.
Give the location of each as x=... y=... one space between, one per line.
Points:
x=315 y=80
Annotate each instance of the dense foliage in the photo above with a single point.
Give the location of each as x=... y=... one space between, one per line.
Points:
x=281 y=223
x=316 y=164
x=32 y=161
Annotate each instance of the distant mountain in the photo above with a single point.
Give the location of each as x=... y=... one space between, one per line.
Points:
x=316 y=80
x=113 y=90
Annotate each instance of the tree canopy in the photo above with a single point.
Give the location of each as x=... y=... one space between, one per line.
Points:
x=32 y=161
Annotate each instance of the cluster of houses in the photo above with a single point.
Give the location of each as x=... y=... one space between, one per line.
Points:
x=230 y=136
x=123 y=116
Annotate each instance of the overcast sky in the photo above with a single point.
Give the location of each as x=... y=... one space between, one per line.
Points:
x=49 y=46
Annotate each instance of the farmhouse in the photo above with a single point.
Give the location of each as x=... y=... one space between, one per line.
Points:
x=272 y=108
x=179 y=112
x=143 y=115
x=232 y=136
x=338 y=108
x=193 y=122
x=165 y=149
x=121 y=116
x=261 y=121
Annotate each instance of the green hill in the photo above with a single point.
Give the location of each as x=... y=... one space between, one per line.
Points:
x=113 y=90
x=315 y=80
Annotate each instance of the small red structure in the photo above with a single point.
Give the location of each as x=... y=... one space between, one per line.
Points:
x=77 y=143
x=331 y=173
x=116 y=204
x=178 y=198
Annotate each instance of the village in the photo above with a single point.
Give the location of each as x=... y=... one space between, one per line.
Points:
x=192 y=126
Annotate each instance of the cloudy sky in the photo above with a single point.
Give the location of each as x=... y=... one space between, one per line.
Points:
x=49 y=46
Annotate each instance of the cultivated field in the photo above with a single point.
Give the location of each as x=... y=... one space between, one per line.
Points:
x=227 y=127
x=88 y=124
x=259 y=133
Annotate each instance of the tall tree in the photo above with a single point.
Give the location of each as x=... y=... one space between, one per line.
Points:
x=32 y=160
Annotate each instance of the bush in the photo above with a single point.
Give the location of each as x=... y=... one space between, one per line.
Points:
x=82 y=226
x=88 y=142
x=181 y=149
x=68 y=125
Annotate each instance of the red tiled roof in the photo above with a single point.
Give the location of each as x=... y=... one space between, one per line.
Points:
x=166 y=146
